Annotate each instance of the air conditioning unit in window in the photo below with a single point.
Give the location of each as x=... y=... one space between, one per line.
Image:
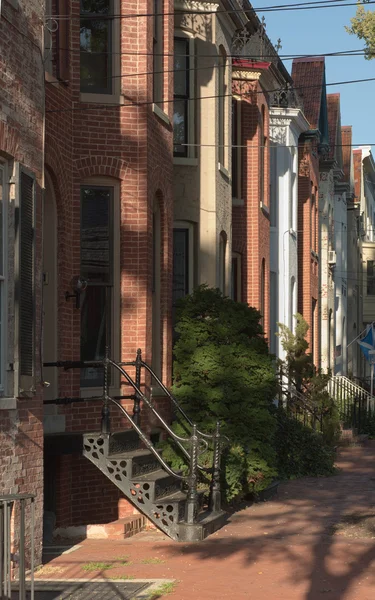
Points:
x=331 y=258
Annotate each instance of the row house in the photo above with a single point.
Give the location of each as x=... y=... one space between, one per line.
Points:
x=108 y=221
x=364 y=276
x=21 y=185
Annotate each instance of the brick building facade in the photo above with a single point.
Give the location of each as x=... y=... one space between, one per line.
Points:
x=21 y=183
x=109 y=166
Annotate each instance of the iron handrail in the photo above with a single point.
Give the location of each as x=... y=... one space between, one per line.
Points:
x=148 y=443
x=178 y=439
x=302 y=398
x=207 y=436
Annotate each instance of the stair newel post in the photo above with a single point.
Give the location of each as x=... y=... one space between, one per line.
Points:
x=215 y=488
x=192 y=495
x=137 y=399
x=106 y=418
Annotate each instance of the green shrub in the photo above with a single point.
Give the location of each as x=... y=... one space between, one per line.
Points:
x=223 y=371
x=301 y=451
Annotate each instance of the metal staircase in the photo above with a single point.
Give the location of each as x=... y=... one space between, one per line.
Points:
x=171 y=500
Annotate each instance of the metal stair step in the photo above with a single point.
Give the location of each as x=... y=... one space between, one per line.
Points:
x=157 y=484
x=142 y=462
x=123 y=441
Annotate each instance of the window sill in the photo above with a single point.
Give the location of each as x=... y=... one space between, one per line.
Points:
x=114 y=99
x=265 y=210
x=186 y=161
x=237 y=201
x=8 y=403
x=161 y=114
x=223 y=170
x=49 y=78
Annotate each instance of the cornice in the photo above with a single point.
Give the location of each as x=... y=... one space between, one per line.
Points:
x=247 y=75
x=294 y=117
x=194 y=5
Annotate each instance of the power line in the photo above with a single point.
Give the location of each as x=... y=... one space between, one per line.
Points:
x=192 y=68
x=150 y=102
x=276 y=8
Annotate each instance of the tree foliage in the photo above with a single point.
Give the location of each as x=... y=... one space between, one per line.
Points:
x=363 y=26
x=224 y=372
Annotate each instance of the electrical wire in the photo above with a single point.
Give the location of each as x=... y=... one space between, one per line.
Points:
x=193 y=68
x=246 y=94
x=322 y=4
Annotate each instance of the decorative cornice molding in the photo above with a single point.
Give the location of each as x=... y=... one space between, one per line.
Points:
x=194 y=5
x=247 y=75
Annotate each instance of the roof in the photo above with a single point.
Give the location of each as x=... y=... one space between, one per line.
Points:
x=308 y=75
x=346 y=137
x=334 y=127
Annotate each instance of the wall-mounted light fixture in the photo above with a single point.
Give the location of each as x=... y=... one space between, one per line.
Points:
x=78 y=285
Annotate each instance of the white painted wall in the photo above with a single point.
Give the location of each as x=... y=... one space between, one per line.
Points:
x=286 y=125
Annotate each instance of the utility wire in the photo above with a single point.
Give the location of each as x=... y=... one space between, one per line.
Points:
x=246 y=94
x=276 y=8
x=192 y=68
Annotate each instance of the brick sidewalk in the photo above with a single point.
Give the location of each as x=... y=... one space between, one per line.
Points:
x=283 y=549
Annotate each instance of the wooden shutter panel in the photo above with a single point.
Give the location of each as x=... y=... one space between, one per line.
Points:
x=62 y=40
x=26 y=276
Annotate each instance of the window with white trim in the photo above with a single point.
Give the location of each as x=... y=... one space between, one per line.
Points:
x=96 y=45
x=158 y=50
x=99 y=251
x=181 y=96
x=236 y=148
x=222 y=104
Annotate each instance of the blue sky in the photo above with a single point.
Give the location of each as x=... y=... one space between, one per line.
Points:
x=319 y=32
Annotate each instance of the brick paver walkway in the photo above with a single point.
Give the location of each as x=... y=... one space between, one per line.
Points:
x=283 y=549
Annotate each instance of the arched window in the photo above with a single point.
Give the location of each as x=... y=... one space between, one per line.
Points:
x=222 y=260
x=222 y=104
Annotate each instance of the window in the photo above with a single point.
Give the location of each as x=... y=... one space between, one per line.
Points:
x=181 y=96
x=236 y=149
x=273 y=312
x=273 y=186
x=313 y=221
x=158 y=48
x=97 y=257
x=156 y=269
x=181 y=279
x=3 y=296
x=263 y=292
x=222 y=103
x=96 y=37
x=236 y=277
x=24 y=276
x=370 y=278
x=222 y=261
x=293 y=191
x=262 y=157
x=62 y=40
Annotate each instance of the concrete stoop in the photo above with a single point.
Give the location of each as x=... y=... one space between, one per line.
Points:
x=116 y=530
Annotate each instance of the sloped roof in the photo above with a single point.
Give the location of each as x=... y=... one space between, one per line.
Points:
x=346 y=137
x=357 y=165
x=308 y=75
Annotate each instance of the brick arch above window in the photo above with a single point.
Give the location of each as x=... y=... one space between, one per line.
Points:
x=106 y=166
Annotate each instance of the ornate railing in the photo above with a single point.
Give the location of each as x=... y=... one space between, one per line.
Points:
x=191 y=446
x=14 y=554
x=299 y=406
x=355 y=404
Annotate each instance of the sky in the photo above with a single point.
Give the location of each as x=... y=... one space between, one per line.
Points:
x=321 y=31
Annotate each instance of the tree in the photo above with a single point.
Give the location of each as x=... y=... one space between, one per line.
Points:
x=223 y=372
x=363 y=26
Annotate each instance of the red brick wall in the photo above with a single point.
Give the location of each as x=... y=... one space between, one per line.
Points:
x=308 y=266
x=21 y=140
x=251 y=225
x=134 y=147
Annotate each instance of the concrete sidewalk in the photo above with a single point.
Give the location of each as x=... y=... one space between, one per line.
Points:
x=315 y=541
